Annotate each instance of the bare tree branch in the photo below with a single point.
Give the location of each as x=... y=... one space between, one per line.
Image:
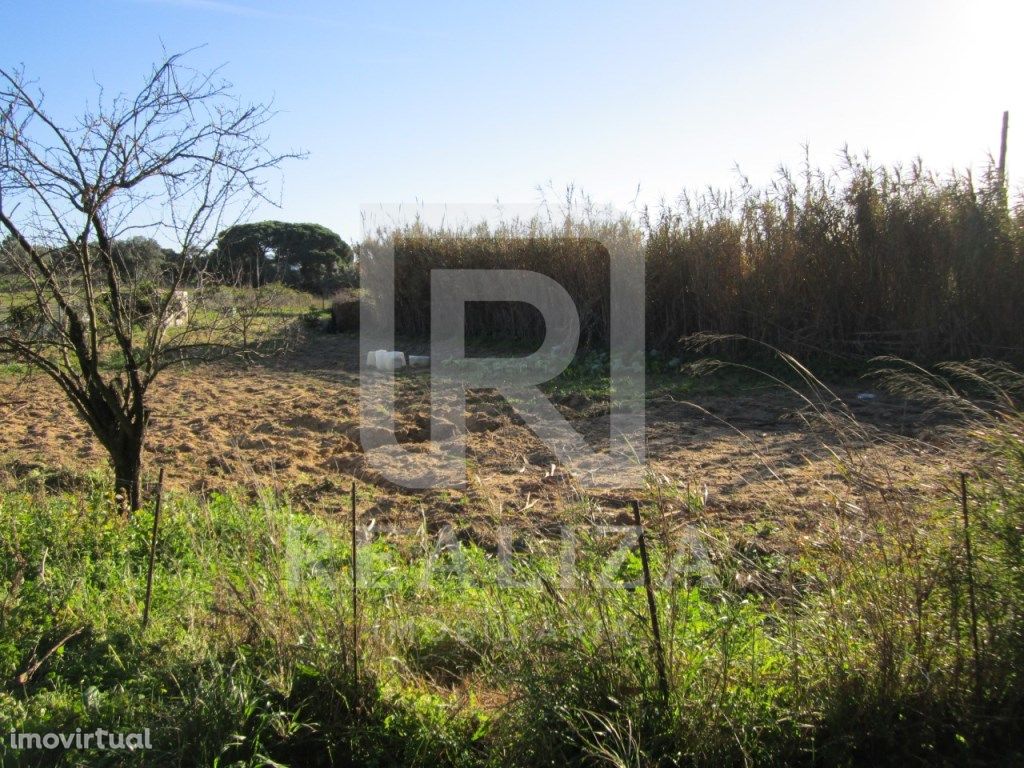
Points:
x=178 y=161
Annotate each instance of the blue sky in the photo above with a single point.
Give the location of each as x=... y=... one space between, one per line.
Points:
x=478 y=102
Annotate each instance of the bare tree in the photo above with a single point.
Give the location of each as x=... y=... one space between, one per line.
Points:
x=176 y=162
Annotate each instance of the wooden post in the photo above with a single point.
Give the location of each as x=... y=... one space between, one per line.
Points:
x=652 y=606
x=1002 y=152
x=152 y=549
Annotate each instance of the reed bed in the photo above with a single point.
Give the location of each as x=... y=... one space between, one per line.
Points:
x=858 y=260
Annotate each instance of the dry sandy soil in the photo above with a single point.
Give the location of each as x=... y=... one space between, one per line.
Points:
x=291 y=425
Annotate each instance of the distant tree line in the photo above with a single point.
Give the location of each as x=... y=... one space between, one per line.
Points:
x=308 y=257
x=141 y=257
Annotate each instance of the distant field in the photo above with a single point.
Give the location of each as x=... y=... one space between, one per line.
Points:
x=291 y=423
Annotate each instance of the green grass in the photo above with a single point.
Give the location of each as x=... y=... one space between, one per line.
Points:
x=270 y=318
x=12 y=368
x=856 y=651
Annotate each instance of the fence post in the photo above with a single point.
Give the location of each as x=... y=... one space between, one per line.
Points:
x=152 y=548
x=1002 y=152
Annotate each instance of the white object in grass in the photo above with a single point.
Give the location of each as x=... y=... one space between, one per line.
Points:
x=385 y=360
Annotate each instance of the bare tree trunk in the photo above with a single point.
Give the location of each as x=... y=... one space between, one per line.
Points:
x=126 y=457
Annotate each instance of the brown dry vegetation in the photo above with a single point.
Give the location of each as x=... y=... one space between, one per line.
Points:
x=291 y=424
x=861 y=259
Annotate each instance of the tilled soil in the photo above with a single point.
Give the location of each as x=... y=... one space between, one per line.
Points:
x=292 y=425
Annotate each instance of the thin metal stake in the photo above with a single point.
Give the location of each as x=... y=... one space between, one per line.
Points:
x=659 y=653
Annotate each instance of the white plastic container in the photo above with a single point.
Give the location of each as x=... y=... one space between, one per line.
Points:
x=386 y=360
x=419 y=361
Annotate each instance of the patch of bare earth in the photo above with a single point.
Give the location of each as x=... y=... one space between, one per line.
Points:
x=292 y=425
